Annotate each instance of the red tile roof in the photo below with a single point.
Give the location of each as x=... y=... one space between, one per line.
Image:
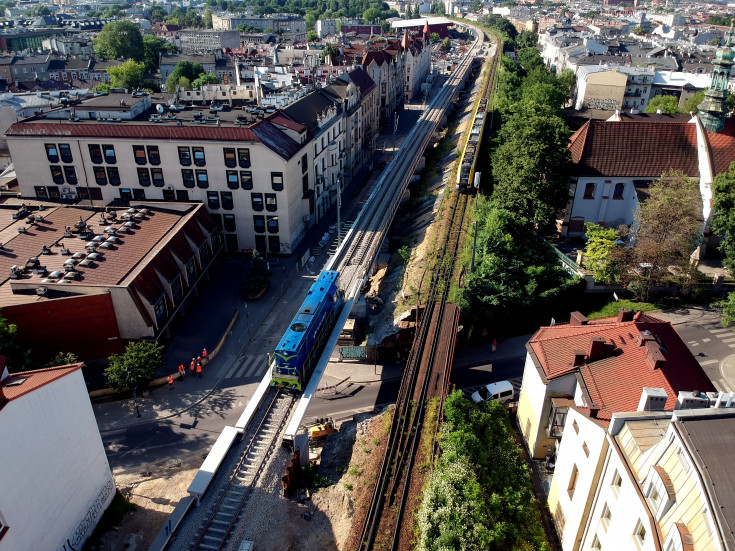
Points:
x=722 y=147
x=615 y=382
x=32 y=380
x=643 y=149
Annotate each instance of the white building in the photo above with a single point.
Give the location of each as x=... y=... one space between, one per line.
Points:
x=325 y=27
x=55 y=478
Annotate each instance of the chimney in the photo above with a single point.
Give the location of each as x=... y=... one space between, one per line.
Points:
x=654 y=356
x=625 y=314
x=652 y=399
x=597 y=350
x=579 y=357
x=578 y=318
x=644 y=336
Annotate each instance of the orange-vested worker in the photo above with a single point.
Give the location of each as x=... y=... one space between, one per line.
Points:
x=204 y=354
x=199 y=370
x=192 y=365
x=182 y=372
x=170 y=382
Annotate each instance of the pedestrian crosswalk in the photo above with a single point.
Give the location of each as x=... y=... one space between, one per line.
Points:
x=721 y=385
x=247 y=366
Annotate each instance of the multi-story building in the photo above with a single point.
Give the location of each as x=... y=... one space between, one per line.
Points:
x=387 y=69
x=289 y=25
x=418 y=62
x=56 y=468
x=603 y=87
x=24 y=69
x=325 y=27
x=208 y=40
x=122 y=147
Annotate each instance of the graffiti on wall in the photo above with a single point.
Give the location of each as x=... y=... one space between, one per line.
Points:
x=601 y=103
x=90 y=519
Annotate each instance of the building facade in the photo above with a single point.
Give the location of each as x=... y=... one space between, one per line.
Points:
x=208 y=40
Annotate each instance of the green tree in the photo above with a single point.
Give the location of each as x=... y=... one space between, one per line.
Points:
x=669 y=105
x=207 y=19
x=527 y=39
x=127 y=75
x=136 y=366
x=567 y=79
x=598 y=252
x=691 y=105
x=62 y=358
x=119 y=39
x=715 y=42
x=530 y=59
x=476 y=6
x=184 y=69
x=18 y=359
x=446 y=44
x=435 y=38
x=102 y=88
x=666 y=232
x=312 y=36
x=723 y=219
x=727 y=309
x=331 y=51
x=203 y=80
x=638 y=30
x=721 y=20
x=532 y=165
x=153 y=47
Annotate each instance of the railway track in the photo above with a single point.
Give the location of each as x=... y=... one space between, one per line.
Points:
x=426 y=377
x=232 y=500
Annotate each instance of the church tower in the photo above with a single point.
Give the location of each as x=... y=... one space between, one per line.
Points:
x=713 y=109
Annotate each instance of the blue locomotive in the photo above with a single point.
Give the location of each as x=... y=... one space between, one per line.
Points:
x=301 y=345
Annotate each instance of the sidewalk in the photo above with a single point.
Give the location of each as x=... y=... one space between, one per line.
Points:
x=256 y=330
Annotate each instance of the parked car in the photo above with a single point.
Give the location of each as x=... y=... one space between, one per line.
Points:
x=502 y=391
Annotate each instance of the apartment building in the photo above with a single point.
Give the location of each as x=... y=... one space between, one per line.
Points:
x=291 y=26
x=208 y=40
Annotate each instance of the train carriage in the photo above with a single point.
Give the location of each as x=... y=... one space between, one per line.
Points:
x=302 y=343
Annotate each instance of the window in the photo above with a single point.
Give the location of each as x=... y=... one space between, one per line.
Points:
x=575 y=426
x=202 y=179
x=654 y=498
x=65 y=152
x=71 y=175
x=230 y=159
x=232 y=179
x=274 y=244
x=273 y=224
x=160 y=310
x=176 y=290
x=57 y=175
x=589 y=191
x=182 y=195
x=203 y=254
x=271 y=204
x=304 y=163
x=139 y=194
x=157 y=176
x=187 y=175
x=139 y=154
x=227 y=203
x=277 y=181
x=126 y=193
x=229 y=222
x=184 y=156
x=572 y=482
x=191 y=271
x=618 y=193
x=606 y=517
x=169 y=195
x=246 y=179
x=113 y=175
x=213 y=200
x=639 y=534
x=596 y=545
x=95 y=153
x=257 y=201
x=617 y=483
x=41 y=192
x=109 y=152
x=243 y=157
x=305 y=183
x=199 y=159
x=260 y=243
x=52 y=154
x=83 y=193
x=585 y=449
x=144 y=177
x=259 y=224
x=154 y=157
x=100 y=176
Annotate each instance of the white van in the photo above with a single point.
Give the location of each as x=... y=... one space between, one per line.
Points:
x=502 y=391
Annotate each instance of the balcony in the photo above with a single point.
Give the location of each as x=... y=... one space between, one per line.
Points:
x=557 y=417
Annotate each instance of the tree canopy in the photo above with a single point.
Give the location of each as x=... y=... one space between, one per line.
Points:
x=119 y=39
x=183 y=70
x=136 y=366
x=598 y=252
x=204 y=79
x=669 y=105
x=127 y=75
x=723 y=219
x=153 y=47
x=691 y=105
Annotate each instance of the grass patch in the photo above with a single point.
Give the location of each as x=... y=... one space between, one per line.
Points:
x=610 y=309
x=347 y=486
x=113 y=516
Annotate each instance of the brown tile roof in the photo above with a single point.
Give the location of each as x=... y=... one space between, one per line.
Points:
x=722 y=147
x=31 y=380
x=615 y=382
x=634 y=149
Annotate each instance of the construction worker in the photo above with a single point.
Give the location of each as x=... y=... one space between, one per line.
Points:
x=182 y=372
x=199 y=370
x=204 y=354
x=192 y=365
x=170 y=382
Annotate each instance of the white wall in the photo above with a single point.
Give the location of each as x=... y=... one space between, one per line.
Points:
x=603 y=207
x=55 y=479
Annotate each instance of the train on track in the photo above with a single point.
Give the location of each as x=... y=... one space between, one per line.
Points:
x=301 y=345
x=466 y=173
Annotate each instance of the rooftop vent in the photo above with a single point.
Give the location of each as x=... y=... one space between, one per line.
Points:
x=652 y=399
x=578 y=318
x=625 y=314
